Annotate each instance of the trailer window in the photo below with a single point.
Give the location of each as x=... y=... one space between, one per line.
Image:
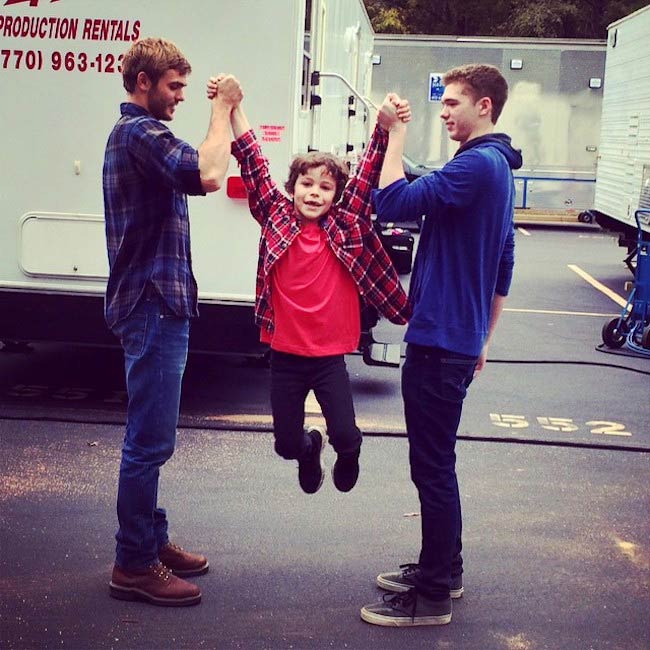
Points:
x=306 y=73
x=306 y=59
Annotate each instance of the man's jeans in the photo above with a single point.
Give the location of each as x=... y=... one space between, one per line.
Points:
x=292 y=377
x=155 y=352
x=434 y=385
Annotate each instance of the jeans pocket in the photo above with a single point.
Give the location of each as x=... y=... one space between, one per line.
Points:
x=458 y=373
x=132 y=332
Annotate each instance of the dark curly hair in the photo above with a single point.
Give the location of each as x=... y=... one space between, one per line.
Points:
x=302 y=163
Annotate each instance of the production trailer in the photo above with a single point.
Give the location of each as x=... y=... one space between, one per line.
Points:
x=305 y=67
x=623 y=173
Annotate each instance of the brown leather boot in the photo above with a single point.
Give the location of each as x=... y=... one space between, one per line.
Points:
x=181 y=562
x=155 y=584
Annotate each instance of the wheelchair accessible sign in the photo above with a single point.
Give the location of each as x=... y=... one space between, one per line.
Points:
x=436 y=87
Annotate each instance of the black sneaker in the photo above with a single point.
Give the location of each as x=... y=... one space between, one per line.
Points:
x=403 y=580
x=346 y=472
x=407 y=610
x=310 y=469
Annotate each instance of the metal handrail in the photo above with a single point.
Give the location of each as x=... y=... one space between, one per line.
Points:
x=364 y=100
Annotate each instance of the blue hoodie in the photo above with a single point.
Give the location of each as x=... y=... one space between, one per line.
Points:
x=466 y=249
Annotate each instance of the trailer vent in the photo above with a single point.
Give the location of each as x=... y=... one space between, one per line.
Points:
x=644 y=197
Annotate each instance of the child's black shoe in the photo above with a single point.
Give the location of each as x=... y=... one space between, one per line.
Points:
x=310 y=468
x=346 y=472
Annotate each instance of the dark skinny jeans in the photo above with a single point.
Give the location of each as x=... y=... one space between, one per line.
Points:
x=292 y=377
x=434 y=385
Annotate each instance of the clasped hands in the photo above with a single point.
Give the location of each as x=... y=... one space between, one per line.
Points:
x=394 y=112
x=226 y=88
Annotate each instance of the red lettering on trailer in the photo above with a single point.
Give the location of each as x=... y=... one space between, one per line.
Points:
x=31 y=27
x=32 y=3
x=98 y=29
x=272 y=132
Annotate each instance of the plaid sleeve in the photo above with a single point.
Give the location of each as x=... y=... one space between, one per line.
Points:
x=380 y=281
x=262 y=190
x=356 y=202
x=165 y=158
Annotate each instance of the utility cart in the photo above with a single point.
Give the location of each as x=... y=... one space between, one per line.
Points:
x=632 y=327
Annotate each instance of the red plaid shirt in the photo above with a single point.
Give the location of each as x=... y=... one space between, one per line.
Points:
x=348 y=227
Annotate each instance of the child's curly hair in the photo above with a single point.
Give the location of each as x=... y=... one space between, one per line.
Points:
x=304 y=162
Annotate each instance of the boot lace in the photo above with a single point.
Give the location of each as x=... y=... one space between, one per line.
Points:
x=161 y=571
x=174 y=547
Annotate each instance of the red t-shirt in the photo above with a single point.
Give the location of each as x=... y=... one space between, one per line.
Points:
x=315 y=300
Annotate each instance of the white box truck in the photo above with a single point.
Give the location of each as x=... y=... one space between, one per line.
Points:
x=61 y=90
x=623 y=172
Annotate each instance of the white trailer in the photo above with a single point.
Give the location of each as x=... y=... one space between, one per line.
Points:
x=61 y=90
x=623 y=173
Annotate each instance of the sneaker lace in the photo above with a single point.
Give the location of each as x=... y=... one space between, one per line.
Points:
x=409 y=569
x=405 y=601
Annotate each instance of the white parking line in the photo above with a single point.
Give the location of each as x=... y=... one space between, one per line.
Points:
x=598 y=285
x=558 y=312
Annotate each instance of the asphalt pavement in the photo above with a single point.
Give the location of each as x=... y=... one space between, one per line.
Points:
x=553 y=466
x=556 y=546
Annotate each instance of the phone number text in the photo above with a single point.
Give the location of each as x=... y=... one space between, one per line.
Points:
x=67 y=61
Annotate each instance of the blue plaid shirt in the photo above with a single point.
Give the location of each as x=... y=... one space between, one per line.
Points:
x=147 y=174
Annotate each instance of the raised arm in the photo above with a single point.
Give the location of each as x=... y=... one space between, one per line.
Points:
x=239 y=122
x=392 y=168
x=263 y=193
x=214 y=151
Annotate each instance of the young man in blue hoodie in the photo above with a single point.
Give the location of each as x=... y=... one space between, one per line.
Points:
x=461 y=276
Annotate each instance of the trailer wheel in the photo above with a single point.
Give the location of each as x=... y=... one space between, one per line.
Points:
x=645 y=339
x=613 y=335
x=16 y=347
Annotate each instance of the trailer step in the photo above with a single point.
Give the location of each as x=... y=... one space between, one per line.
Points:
x=382 y=354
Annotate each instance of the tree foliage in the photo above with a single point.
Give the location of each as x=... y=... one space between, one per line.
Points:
x=531 y=18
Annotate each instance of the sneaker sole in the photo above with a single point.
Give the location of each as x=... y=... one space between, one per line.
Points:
x=400 y=588
x=403 y=621
x=189 y=573
x=130 y=593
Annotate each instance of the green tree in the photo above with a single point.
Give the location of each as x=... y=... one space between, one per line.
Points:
x=388 y=20
x=550 y=19
x=535 y=18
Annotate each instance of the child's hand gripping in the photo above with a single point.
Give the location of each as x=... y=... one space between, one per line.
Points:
x=393 y=112
x=225 y=88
